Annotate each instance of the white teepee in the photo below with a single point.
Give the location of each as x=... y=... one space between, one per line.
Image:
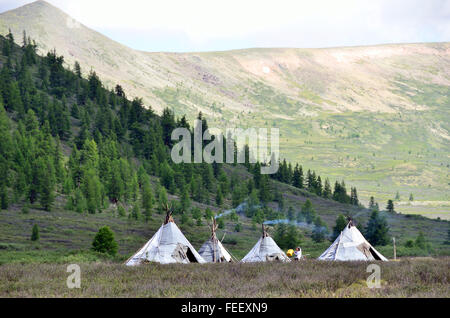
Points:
x=212 y=250
x=168 y=245
x=265 y=250
x=351 y=245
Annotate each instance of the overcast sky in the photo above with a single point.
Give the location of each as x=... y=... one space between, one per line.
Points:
x=200 y=25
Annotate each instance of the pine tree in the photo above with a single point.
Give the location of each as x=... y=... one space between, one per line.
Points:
x=219 y=197
x=35 y=233
x=197 y=215
x=265 y=194
x=236 y=197
x=327 y=194
x=208 y=214
x=77 y=69
x=185 y=199
x=372 y=203
x=390 y=206
x=162 y=199
x=297 y=179
x=354 y=197
x=341 y=223
x=318 y=186
x=220 y=223
x=290 y=214
x=420 y=240
x=121 y=211
x=104 y=241
x=147 y=199
x=167 y=177
x=135 y=212
x=47 y=196
x=287 y=236
x=308 y=211
x=115 y=186
x=4 y=202
x=377 y=229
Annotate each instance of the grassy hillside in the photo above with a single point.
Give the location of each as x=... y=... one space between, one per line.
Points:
x=66 y=236
x=377 y=115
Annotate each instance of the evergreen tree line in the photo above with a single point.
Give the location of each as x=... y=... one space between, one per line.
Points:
x=310 y=182
x=63 y=134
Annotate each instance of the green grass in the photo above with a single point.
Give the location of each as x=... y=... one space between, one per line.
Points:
x=405 y=278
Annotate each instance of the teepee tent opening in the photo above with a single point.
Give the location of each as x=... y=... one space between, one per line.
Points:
x=168 y=245
x=351 y=245
x=265 y=250
x=212 y=250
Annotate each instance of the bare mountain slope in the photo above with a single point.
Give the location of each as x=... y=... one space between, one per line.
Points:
x=336 y=79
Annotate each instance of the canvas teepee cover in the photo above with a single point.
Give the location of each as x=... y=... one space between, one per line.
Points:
x=265 y=250
x=212 y=250
x=168 y=245
x=351 y=245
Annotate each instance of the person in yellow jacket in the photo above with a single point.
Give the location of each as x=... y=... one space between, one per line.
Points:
x=290 y=252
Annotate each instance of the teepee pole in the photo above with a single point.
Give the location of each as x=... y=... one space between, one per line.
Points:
x=395 y=249
x=213 y=229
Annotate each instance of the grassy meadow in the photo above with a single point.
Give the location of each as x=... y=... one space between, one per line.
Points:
x=425 y=277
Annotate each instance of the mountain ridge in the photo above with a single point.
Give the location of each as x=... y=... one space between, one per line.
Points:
x=104 y=56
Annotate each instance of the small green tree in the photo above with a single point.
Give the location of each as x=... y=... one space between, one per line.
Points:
x=291 y=214
x=238 y=227
x=293 y=236
x=219 y=197
x=341 y=222
x=3 y=197
x=220 y=223
x=147 y=199
x=197 y=215
x=233 y=216
x=25 y=209
x=372 y=203
x=308 y=211
x=208 y=214
x=377 y=229
x=135 y=212
x=104 y=241
x=185 y=200
x=390 y=206
x=287 y=236
x=47 y=196
x=409 y=243
x=420 y=240
x=35 y=233
x=186 y=219
x=162 y=199
x=411 y=197
x=121 y=211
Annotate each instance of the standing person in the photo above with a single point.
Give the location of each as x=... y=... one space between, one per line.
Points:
x=298 y=254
